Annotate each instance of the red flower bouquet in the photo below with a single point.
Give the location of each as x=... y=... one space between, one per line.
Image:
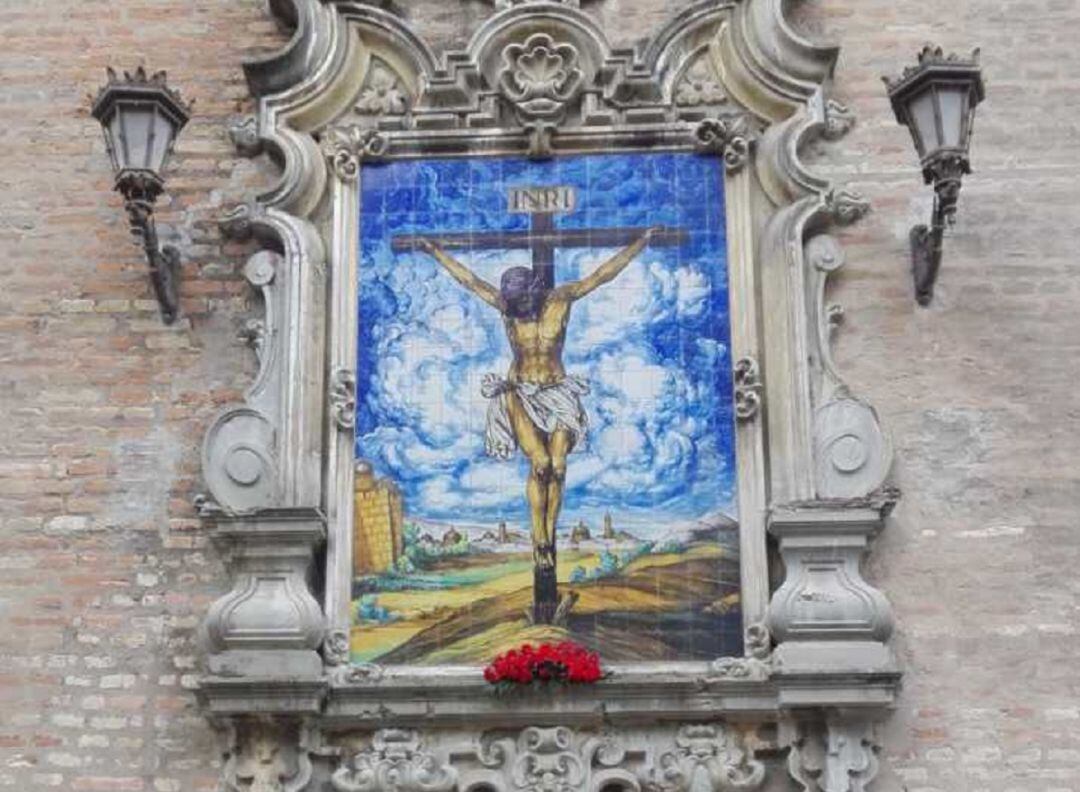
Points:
x=564 y=663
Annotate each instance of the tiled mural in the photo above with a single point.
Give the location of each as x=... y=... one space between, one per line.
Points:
x=545 y=427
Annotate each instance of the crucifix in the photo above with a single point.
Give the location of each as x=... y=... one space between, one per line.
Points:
x=537 y=407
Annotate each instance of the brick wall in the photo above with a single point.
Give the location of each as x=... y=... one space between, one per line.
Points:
x=979 y=392
x=105 y=571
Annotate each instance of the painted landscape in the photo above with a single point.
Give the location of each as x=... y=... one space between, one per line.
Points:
x=462 y=593
x=544 y=419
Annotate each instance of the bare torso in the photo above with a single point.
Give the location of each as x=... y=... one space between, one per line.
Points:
x=538 y=343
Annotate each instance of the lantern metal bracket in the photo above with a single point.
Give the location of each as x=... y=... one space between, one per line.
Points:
x=140 y=190
x=926 y=258
x=164 y=262
x=945 y=173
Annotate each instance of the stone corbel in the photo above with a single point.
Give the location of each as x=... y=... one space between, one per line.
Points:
x=269 y=624
x=836 y=752
x=825 y=617
x=264 y=755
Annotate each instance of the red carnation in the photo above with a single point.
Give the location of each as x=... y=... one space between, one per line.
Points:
x=564 y=662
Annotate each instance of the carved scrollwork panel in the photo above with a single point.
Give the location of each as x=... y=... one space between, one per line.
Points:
x=706 y=757
x=699 y=87
x=709 y=757
x=383 y=93
x=395 y=762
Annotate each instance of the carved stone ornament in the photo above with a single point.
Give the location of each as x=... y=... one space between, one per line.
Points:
x=383 y=93
x=706 y=757
x=264 y=757
x=343 y=399
x=747 y=389
x=540 y=78
x=839 y=120
x=839 y=755
x=356 y=84
x=699 y=87
x=758 y=664
x=347 y=147
x=730 y=138
x=395 y=763
x=244 y=134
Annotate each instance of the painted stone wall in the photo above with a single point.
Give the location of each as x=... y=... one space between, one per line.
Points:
x=106 y=572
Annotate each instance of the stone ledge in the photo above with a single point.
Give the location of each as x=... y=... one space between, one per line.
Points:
x=448 y=697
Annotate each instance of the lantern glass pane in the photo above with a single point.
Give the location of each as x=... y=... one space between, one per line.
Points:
x=137 y=121
x=110 y=147
x=115 y=132
x=159 y=143
x=924 y=117
x=953 y=101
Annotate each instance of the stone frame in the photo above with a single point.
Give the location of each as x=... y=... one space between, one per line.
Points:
x=354 y=84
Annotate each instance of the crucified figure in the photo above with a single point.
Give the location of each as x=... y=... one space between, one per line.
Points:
x=537 y=406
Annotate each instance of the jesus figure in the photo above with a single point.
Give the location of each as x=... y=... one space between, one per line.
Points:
x=537 y=406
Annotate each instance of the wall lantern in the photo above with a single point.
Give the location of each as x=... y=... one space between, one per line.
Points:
x=936 y=101
x=141 y=118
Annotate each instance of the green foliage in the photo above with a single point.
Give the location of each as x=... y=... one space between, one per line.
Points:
x=368 y=609
x=671 y=546
x=611 y=564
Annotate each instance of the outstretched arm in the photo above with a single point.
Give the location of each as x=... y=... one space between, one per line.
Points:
x=462 y=274
x=609 y=270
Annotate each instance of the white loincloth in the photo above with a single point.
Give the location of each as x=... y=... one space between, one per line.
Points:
x=549 y=407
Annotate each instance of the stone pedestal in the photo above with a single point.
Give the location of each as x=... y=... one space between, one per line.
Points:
x=270 y=623
x=825 y=616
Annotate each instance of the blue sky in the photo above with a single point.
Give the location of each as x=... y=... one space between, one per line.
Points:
x=653 y=344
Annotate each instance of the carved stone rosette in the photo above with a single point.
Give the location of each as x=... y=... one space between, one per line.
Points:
x=540 y=78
